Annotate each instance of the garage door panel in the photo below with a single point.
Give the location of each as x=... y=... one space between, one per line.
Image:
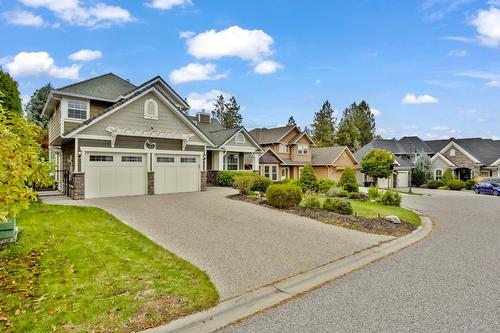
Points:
x=176 y=173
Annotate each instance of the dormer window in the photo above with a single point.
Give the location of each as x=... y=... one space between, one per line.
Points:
x=284 y=148
x=77 y=109
x=240 y=138
x=150 y=109
x=303 y=149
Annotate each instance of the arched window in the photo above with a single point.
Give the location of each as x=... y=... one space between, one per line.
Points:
x=438 y=174
x=240 y=138
x=150 y=109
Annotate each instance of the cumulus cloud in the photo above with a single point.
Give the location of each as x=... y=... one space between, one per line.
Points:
x=85 y=55
x=249 y=45
x=376 y=112
x=23 y=17
x=421 y=99
x=40 y=63
x=267 y=67
x=168 y=4
x=96 y=16
x=487 y=23
x=196 y=72
x=204 y=101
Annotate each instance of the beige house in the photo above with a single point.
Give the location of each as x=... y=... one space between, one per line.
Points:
x=330 y=162
x=109 y=137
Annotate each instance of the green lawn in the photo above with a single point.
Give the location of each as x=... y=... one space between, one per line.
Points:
x=373 y=209
x=80 y=269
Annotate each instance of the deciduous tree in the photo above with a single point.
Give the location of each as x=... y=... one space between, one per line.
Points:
x=377 y=164
x=11 y=99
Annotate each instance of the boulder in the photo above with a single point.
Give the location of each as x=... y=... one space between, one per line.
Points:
x=393 y=219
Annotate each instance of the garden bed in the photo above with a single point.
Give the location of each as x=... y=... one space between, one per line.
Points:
x=372 y=225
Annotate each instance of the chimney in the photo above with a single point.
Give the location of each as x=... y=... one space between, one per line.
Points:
x=203 y=117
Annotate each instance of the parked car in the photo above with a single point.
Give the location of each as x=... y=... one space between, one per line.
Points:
x=488 y=186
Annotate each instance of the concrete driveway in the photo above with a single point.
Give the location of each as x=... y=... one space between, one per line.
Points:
x=240 y=245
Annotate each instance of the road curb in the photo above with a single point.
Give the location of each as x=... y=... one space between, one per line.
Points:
x=260 y=299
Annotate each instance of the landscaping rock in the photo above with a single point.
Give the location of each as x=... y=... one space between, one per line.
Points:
x=393 y=219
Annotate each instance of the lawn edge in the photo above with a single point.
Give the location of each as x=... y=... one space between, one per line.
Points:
x=239 y=308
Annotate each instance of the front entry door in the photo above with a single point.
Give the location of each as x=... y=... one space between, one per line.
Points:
x=285 y=173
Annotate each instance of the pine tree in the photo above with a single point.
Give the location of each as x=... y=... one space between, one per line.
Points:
x=35 y=106
x=324 y=126
x=357 y=126
x=10 y=93
x=219 y=109
x=291 y=121
x=364 y=121
x=232 y=116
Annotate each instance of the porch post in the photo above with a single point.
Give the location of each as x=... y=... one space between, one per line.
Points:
x=256 y=161
x=220 y=167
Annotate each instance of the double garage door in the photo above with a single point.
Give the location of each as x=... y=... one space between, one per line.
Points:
x=124 y=174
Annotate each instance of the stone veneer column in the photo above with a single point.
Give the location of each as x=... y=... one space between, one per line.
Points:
x=78 y=186
x=203 y=180
x=151 y=182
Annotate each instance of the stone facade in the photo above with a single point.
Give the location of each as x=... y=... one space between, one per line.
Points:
x=204 y=180
x=77 y=189
x=461 y=160
x=212 y=177
x=151 y=182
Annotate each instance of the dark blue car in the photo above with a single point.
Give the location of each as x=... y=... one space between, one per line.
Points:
x=488 y=186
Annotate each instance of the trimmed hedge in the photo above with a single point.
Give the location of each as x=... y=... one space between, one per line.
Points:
x=338 y=206
x=261 y=183
x=226 y=178
x=348 y=180
x=456 y=185
x=391 y=198
x=311 y=202
x=469 y=184
x=435 y=184
x=284 y=195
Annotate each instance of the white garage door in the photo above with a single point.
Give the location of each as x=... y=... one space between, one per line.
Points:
x=176 y=173
x=402 y=179
x=114 y=175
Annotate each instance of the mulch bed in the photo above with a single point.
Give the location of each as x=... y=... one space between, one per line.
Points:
x=378 y=226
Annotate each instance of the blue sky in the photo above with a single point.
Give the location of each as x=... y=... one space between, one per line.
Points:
x=430 y=68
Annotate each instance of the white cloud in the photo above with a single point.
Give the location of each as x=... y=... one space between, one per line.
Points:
x=493 y=83
x=459 y=39
x=96 y=16
x=196 y=72
x=317 y=82
x=267 y=67
x=40 y=63
x=168 y=4
x=204 y=101
x=250 y=45
x=493 y=78
x=440 y=128
x=376 y=112
x=186 y=34
x=487 y=23
x=23 y=17
x=85 y=55
x=457 y=53
x=421 y=99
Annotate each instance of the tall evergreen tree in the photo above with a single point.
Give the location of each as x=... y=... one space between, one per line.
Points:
x=232 y=116
x=219 y=109
x=357 y=126
x=291 y=121
x=11 y=99
x=324 y=126
x=35 y=105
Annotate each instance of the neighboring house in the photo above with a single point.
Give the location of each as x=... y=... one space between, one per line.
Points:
x=117 y=139
x=467 y=158
x=288 y=150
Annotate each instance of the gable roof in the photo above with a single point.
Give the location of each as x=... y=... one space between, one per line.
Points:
x=270 y=135
x=486 y=151
x=328 y=155
x=109 y=87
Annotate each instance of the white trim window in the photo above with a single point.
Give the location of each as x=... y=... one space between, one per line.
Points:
x=77 y=109
x=240 y=138
x=452 y=152
x=271 y=172
x=150 y=109
x=303 y=149
x=188 y=159
x=136 y=159
x=231 y=161
x=284 y=148
x=438 y=174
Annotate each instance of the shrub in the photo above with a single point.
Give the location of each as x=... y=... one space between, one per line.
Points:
x=261 y=183
x=312 y=202
x=324 y=184
x=226 y=178
x=417 y=177
x=444 y=187
x=447 y=176
x=284 y=195
x=282 y=181
x=456 y=184
x=334 y=192
x=434 y=184
x=348 y=180
x=307 y=180
x=245 y=183
x=343 y=193
x=338 y=206
x=391 y=198
x=373 y=193
x=469 y=184
x=354 y=195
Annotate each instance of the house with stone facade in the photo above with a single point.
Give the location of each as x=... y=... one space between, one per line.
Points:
x=466 y=158
x=288 y=150
x=110 y=137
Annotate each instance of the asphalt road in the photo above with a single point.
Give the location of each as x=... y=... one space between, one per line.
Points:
x=449 y=282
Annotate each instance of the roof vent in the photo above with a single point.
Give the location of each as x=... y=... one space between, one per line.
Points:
x=203 y=117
